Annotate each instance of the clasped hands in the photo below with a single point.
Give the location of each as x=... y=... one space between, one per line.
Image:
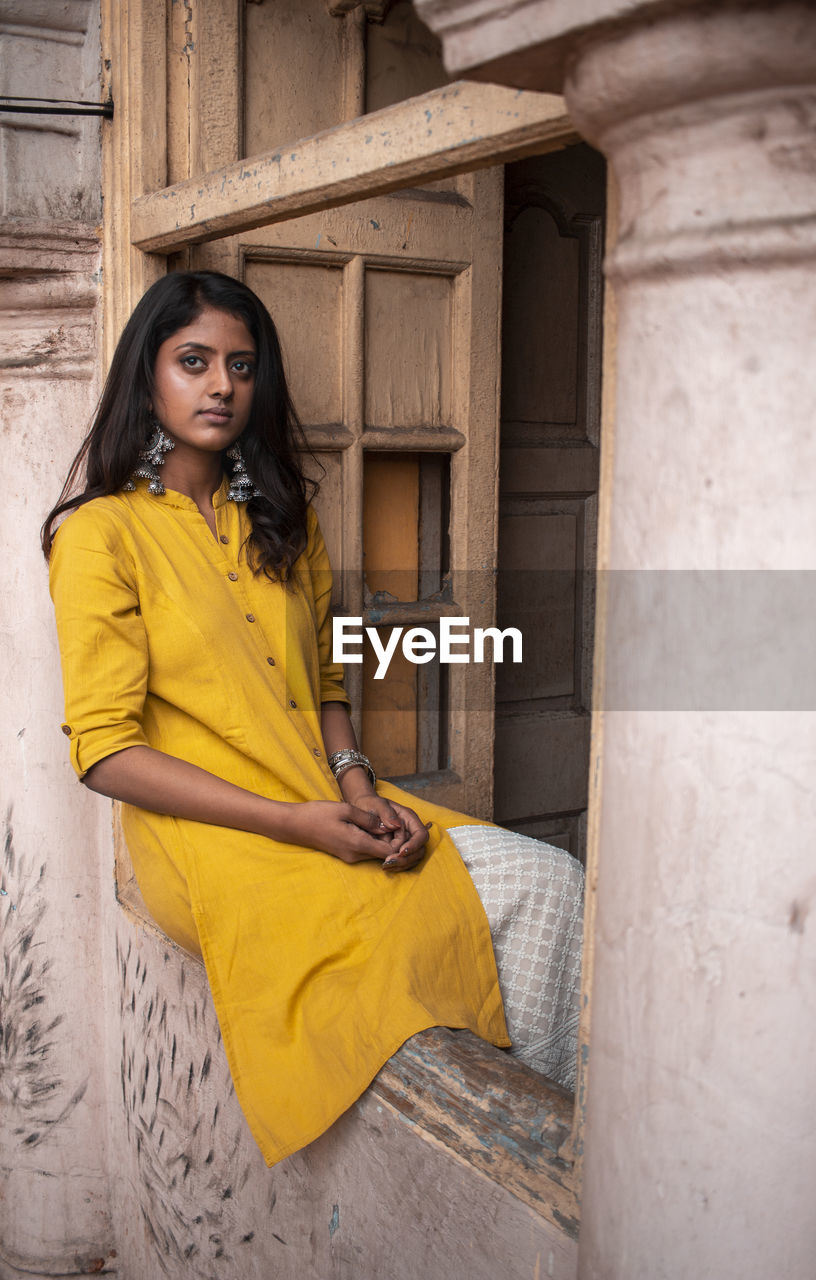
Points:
x=365 y=826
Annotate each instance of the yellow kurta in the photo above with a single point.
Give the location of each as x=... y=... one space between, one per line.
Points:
x=319 y=970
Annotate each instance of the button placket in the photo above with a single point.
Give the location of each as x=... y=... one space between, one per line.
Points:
x=252 y=618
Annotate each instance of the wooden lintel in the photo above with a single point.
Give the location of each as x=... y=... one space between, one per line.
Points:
x=461 y=127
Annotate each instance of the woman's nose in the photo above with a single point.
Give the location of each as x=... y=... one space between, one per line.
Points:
x=220 y=381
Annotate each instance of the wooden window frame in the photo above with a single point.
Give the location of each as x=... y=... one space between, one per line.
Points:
x=530 y=1139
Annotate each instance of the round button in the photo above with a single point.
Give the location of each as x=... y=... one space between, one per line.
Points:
x=250 y=617
x=232 y=575
x=271 y=661
x=224 y=538
x=292 y=702
x=316 y=750
x=66 y=729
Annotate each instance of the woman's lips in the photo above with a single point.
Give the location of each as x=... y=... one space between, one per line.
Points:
x=216 y=415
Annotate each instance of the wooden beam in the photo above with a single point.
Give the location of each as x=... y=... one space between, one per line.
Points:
x=461 y=127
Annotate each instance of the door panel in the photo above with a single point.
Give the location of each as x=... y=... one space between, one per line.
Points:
x=408 y=314
x=549 y=477
x=292 y=290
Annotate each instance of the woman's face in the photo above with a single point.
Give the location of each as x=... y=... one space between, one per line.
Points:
x=204 y=380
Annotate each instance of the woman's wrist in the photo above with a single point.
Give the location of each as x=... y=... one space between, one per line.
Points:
x=355 y=784
x=281 y=820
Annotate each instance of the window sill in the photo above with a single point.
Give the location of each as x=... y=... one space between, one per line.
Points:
x=485 y=1108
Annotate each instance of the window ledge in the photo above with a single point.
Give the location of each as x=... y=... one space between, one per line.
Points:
x=487 y=1109
x=491 y=1112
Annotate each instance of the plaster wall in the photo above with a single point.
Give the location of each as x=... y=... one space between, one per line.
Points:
x=55 y=1208
x=50 y=165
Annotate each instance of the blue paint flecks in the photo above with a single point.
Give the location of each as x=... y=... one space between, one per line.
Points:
x=374 y=224
x=317 y=241
x=334 y=1224
x=428 y=113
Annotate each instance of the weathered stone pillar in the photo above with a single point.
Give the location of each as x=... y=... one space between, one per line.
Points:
x=700 y=1141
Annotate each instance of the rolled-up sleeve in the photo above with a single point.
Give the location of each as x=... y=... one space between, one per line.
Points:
x=331 y=673
x=103 y=646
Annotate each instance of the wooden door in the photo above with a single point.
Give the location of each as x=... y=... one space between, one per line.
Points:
x=551 y=371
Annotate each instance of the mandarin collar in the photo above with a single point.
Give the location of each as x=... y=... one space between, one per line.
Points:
x=172 y=497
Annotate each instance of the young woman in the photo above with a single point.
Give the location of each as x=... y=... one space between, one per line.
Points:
x=191 y=586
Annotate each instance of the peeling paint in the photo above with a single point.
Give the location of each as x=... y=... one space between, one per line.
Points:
x=334 y=1223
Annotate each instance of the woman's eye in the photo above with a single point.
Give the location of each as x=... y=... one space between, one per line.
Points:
x=243 y=367
x=191 y=362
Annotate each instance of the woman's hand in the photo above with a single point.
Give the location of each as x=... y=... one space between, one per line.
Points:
x=404 y=833
x=402 y=836
x=371 y=828
x=353 y=833
x=408 y=843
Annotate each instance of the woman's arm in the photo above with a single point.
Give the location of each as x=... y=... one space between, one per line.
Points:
x=338 y=733
x=152 y=780
x=406 y=834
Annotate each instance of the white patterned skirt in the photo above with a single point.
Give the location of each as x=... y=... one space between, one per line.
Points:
x=533 y=896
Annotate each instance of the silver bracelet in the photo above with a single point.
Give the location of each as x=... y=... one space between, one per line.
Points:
x=348 y=758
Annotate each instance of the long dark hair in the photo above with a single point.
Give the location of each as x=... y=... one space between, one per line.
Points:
x=269 y=442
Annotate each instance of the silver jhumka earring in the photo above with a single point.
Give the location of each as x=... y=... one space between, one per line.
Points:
x=242 y=487
x=151 y=457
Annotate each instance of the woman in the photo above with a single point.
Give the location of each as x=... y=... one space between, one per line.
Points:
x=191 y=586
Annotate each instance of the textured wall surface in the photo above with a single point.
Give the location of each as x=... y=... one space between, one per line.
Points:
x=52 y=1118
x=50 y=165
x=55 y=1210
